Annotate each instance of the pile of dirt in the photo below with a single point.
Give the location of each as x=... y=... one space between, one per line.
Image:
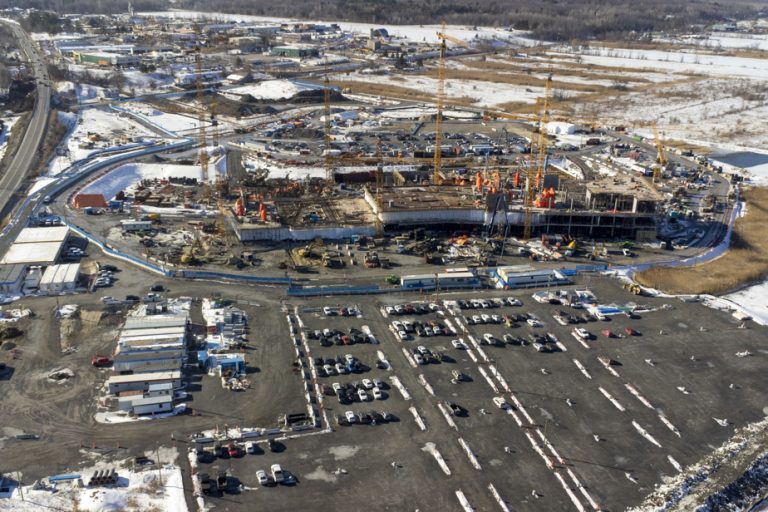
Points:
x=8 y=332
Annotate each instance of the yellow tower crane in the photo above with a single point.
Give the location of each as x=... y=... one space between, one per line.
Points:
x=329 y=174
x=536 y=167
x=201 y=120
x=441 y=100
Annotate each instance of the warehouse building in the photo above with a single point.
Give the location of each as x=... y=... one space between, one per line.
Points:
x=12 y=278
x=142 y=381
x=154 y=359
x=60 y=278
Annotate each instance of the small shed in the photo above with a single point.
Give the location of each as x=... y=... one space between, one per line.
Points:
x=89 y=201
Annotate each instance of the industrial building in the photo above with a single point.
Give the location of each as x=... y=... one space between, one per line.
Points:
x=12 y=278
x=142 y=381
x=60 y=278
x=153 y=359
x=139 y=404
x=525 y=276
x=106 y=58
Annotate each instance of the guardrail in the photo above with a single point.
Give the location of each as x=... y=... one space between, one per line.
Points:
x=203 y=274
x=339 y=290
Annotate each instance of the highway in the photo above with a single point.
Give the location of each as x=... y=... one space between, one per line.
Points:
x=27 y=154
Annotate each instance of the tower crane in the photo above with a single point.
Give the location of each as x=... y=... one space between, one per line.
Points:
x=661 y=155
x=328 y=160
x=203 y=155
x=535 y=176
x=441 y=99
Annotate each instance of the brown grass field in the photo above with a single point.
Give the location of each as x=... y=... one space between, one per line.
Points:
x=746 y=261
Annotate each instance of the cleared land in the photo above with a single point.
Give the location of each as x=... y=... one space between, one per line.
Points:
x=745 y=262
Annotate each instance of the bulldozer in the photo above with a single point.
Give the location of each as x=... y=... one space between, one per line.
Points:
x=633 y=288
x=309 y=252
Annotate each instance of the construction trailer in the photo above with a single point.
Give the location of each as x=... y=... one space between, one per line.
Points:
x=142 y=381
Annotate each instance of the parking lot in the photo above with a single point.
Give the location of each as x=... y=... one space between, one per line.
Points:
x=605 y=421
x=680 y=387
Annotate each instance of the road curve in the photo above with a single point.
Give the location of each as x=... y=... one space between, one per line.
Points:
x=23 y=161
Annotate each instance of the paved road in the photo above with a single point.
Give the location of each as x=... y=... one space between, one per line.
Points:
x=27 y=154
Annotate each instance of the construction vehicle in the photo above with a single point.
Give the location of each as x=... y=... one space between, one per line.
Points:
x=392 y=279
x=372 y=260
x=633 y=288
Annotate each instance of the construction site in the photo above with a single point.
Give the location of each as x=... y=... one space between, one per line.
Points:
x=347 y=169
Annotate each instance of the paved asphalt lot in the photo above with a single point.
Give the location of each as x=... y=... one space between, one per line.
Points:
x=352 y=466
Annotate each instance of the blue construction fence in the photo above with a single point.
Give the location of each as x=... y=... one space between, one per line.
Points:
x=216 y=276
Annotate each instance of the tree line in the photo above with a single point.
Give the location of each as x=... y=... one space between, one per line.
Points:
x=553 y=20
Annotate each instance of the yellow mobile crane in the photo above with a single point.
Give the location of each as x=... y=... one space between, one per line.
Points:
x=441 y=99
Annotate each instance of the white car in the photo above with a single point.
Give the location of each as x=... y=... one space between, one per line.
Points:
x=108 y=299
x=377 y=383
x=488 y=337
x=351 y=418
x=477 y=319
x=277 y=473
x=262 y=478
x=403 y=335
x=458 y=344
x=437 y=331
x=485 y=318
x=362 y=395
x=328 y=311
x=513 y=301
x=434 y=307
x=390 y=310
x=336 y=388
x=377 y=394
x=349 y=358
x=398 y=325
x=367 y=384
x=340 y=369
x=582 y=333
x=329 y=370
x=428 y=331
x=500 y=402
x=496 y=319
x=422 y=350
x=398 y=310
x=533 y=322
x=419 y=359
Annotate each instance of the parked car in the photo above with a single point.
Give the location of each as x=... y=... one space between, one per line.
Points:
x=261 y=477
x=277 y=473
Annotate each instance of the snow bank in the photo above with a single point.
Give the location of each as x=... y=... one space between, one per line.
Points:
x=274 y=89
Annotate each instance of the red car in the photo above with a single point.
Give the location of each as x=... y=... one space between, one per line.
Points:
x=101 y=361
x=233 y=450
x=630 y=331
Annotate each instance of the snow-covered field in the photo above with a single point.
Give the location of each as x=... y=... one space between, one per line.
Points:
x=158 y=489
x=418 y=33
x=177 y=123
x=107 y=125
x=724 y=40
x=483 y=94
x=678 y=62
x=125 y=177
